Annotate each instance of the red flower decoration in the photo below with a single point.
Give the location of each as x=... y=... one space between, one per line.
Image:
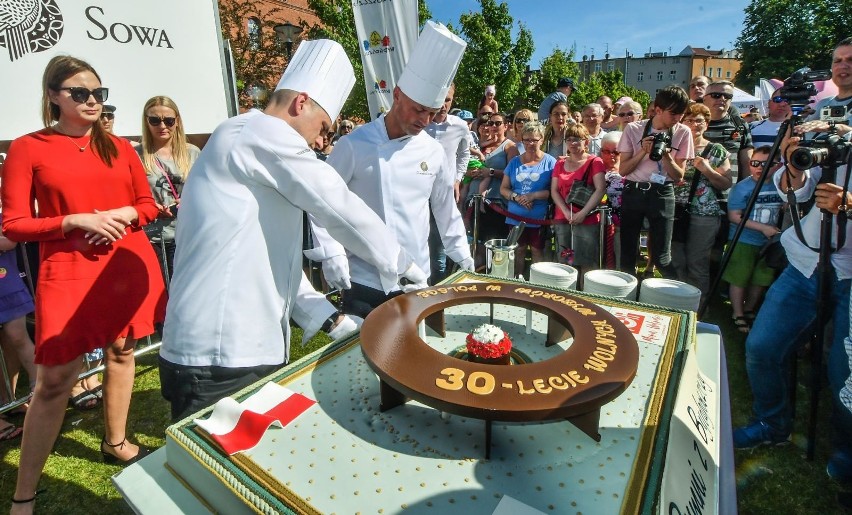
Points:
x=489 y=350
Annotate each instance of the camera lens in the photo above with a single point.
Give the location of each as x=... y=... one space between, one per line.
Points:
x=805 y=158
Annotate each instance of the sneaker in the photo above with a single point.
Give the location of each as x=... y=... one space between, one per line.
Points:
x=840 y=468
x=757 y=434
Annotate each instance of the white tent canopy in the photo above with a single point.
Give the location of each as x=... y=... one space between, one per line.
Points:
x=745 y=101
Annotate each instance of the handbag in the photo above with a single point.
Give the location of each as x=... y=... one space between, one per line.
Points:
x=580 y=192
x=680 y=229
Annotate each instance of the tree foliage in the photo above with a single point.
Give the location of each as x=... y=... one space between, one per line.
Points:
x=257 y=61
x=610 y=84
x=492 y=56
x=560 y=63
x=781 y=36
x=337 y=22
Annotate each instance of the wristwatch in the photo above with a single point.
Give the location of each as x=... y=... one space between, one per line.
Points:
x=515 y=196
x=491 y=172
x=329 y=323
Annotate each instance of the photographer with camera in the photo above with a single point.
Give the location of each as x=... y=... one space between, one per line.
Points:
x=789 y=312
x=653 y=154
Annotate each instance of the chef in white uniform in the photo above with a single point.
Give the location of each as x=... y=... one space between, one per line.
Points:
x=400 y=171
x=238 y=276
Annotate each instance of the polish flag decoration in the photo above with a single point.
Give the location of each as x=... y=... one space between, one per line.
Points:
x=239 y=426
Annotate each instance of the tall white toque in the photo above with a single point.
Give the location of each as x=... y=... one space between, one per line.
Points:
x=432 y=66
x=321 y=69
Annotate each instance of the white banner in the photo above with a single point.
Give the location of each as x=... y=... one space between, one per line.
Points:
x=139 y=49
x=387 y=31
x=691 y=473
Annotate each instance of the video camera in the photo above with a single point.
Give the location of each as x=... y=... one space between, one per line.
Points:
x=799 y=87
x=662 y=143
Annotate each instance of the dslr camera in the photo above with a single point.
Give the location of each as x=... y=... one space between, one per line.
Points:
x=662 y=144
x=826 y=150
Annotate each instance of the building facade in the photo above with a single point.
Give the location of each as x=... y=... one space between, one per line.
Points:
x=656 y=70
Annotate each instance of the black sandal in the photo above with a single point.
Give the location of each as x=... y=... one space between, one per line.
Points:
x=113 y=459
x=742 y=324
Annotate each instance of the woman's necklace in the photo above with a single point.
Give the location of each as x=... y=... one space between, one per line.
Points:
x=76 y=145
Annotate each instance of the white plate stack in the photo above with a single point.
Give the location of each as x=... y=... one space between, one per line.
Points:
x=610 y=283
x=670 y=293
x=554 y=274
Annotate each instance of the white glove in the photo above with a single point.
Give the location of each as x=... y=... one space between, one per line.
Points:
x=349 y=324
x=336 y=272
x=467 y=264
x=414 y=274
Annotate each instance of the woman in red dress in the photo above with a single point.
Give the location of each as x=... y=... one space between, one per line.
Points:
x=99 y=281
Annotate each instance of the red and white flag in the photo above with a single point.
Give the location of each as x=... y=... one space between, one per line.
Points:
x=239 y=426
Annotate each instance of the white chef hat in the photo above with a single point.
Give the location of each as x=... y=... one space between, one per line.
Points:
x=432 y=66
x=321 y=69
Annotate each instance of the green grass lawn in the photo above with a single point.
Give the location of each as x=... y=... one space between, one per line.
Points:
x=775 y=481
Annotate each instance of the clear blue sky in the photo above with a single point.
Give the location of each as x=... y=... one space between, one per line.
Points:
x=658 y=25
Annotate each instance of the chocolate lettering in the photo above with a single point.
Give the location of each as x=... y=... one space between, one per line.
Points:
x=570 y=380
x=558 y=383
x=485 y=388
x=539 y=386
x=522 y=390
x=453 y=381
x=576 y=376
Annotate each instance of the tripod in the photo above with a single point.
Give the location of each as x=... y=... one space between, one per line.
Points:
x=824 y=269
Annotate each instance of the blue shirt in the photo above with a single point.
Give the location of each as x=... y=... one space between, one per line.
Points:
x=529 y=179
x=766 y=209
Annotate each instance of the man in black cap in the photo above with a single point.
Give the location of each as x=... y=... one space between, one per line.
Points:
x=564 y=88
x=108 y=117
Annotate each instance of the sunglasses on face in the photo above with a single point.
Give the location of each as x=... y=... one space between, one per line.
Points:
x=779 y=100
x=107 y=116
x=493 y=123
x=760 y=164
x=155 y=121
x=610 y=152
x=522 y=120
x=626 y=114
x=717 y=95
x=531 y=141
x=81 y=95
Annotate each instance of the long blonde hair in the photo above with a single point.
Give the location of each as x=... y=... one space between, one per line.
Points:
x=178 y=144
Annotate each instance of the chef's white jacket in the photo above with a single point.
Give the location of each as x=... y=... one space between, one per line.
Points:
x=238 y=275
x=398 y=179
x=454 y=135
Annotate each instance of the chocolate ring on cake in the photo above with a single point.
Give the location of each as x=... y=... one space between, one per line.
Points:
x=573 y=385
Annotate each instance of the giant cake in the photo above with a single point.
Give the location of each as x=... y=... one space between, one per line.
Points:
x=424 y=454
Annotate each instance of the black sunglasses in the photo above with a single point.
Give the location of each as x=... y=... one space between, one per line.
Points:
x=155 y=121
x=81 y=95
x=108 y=116
x=760 y=164
x=492 y=123
x=522 y=120
x=717 y=95
x=627 y=113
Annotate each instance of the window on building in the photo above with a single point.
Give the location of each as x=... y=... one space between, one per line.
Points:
x=728 y=74
x=673 y=75
x=610 y=67
x=709 y=73
x=597 y=67
x=253 y=27
x=659 y=75
x=719 y=72
x=640 y=77
x=676 y=60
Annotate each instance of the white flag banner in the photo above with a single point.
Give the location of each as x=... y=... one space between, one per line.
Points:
x=387 y=31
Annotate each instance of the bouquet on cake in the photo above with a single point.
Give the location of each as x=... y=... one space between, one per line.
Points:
x=488 y=343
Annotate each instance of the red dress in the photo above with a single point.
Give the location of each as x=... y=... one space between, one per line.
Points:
x=88 y=295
